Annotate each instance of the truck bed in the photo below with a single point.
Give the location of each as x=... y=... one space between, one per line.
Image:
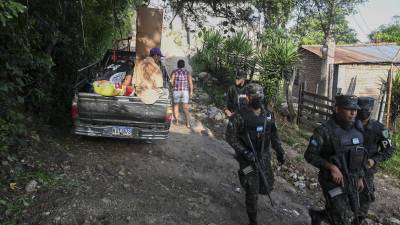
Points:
x=117 y=116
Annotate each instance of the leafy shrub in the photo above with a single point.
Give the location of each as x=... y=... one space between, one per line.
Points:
x=395 y=100
x=392 y=166
x=40 y=52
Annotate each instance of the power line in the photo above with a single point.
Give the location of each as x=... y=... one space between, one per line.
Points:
x=363 y=31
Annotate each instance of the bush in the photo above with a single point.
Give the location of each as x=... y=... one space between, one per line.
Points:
x=392 y=166
x=41 y=50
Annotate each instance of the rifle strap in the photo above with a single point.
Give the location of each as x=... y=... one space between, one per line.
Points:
x=263 y=137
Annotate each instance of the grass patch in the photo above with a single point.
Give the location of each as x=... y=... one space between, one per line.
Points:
x=13 y=203
x=292 y=135
x=40 y=175
x=14 y=207
x=392 y=166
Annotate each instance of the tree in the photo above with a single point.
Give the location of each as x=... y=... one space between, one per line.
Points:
x=276 y=13
x=309 y=31
x=328 y=13
x=387 y=33
x=42 y=44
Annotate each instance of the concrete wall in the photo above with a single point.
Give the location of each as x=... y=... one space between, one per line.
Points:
x=367 y=79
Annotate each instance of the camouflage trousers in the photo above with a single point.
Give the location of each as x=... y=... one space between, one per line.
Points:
x=367 y=196
x=253 y=186
x=337 y=209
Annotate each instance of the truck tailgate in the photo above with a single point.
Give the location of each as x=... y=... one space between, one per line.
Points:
x=98 y=109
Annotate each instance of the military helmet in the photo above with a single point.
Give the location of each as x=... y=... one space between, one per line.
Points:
x=366 y=103
x=347 y=102
x=255 y=91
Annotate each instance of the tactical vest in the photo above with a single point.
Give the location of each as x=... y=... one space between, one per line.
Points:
x=349 y=144
x=258 y=127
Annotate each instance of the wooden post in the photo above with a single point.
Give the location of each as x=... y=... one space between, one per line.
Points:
x=381 y=104
x=300 y=102
x=389 y=96
x=290 y=96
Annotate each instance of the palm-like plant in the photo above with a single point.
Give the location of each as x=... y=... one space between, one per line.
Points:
x=239 y=53
x=276 y=64
x=212 y=48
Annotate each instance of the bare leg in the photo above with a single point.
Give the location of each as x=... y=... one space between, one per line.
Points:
x=187 y=115
x=176 y=112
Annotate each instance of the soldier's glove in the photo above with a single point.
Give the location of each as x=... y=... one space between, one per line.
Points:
x=281 y=158
x=249 y=156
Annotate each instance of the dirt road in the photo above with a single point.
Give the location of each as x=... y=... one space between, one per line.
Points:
x=188 y=179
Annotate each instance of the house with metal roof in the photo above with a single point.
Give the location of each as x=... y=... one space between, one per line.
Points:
x=357 y=69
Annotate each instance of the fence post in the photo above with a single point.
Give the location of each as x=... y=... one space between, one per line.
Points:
x=300 y=102
x=389 y=97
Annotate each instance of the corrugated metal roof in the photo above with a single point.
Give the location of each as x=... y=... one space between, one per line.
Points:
x=371 y=53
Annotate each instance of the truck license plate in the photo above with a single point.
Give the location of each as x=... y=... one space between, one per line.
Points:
x=121 y=131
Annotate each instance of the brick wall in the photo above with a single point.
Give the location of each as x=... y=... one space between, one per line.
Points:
x=309 y=72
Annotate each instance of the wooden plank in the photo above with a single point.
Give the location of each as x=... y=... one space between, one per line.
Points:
x=316 y=110
x=317 y=96
x=319 y=104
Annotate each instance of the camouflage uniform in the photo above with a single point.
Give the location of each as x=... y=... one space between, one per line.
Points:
x=379 y=148
x=241 y=123
x=235 y=98
x=325 y=143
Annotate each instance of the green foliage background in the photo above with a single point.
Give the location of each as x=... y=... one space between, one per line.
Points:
x=41 y=47
x=269 y=59
x=387 y=33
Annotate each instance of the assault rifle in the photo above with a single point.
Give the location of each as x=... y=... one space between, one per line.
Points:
x=350 y=185
x=369 y=191
x=258 y=164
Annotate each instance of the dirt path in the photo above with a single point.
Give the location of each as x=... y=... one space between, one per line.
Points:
x=188 y=179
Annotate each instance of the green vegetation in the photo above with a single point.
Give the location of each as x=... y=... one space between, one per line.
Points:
x=309 y=31
x=16 y=200
x=44 y=44
x=292 y=135
x=387 y=33
x=395 y=106
x=272 y=63
x=392 y=166
x=14 y=207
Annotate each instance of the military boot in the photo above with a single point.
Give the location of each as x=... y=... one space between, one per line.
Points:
x=317 y=216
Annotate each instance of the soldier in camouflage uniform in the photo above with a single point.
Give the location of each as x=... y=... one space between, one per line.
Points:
x=253 y=127
x=235 y=96
x=337 y=138
x=379 y=147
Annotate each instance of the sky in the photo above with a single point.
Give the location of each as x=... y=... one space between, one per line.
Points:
x=371 y=15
